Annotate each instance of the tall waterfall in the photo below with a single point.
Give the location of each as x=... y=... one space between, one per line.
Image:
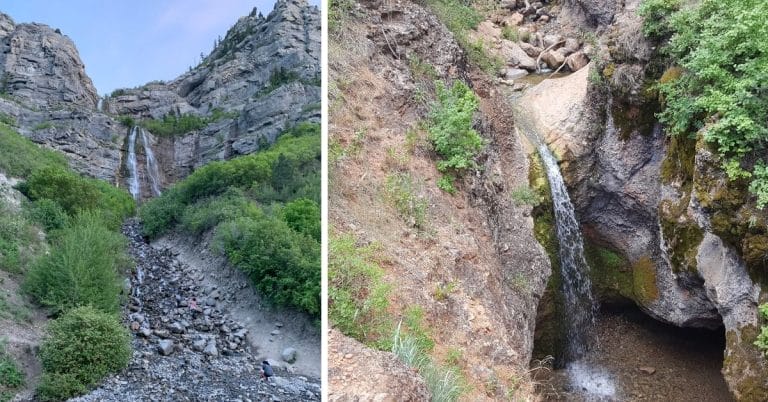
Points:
x=580 y=306
x=152 y=169
x=133 y=171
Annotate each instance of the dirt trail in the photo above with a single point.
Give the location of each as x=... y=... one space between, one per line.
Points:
x=208 y=356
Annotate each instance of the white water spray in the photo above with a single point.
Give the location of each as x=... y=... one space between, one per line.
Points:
x=133 y=173
x=152 y=168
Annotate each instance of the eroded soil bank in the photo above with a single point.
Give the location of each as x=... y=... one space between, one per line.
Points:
x=645 y=360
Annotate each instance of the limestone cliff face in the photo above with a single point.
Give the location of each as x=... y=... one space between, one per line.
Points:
x=51 y=99
x=688 y=236
x=264 y=75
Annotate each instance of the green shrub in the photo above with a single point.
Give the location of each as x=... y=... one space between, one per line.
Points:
x=18 y=240
x=207 y=213
x=723 y=65
x=127 y=121
x=75 y=193
x=303 y=216
x=81 y=347
x=401 y=193
x=47 y=213
x=19 y=157
x=524 y=195
x=283 y=265
x=81 y=269
x=172 y=124
x=357 y=295
x=7 y=119
x=450 y=130
x=160 y=214
x=510 y=33
x=11 y=376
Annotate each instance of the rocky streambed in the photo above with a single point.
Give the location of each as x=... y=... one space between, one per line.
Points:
x=185 y=354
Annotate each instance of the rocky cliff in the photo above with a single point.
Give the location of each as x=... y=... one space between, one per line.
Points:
x=262 y=77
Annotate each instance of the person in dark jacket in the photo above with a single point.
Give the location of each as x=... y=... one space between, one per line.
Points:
x=266 y=370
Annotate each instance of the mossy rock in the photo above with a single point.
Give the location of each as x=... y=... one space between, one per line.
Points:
x=679 y=162
x=610 y=272
x=744 y=367
x=644 y=281
x=683 y=240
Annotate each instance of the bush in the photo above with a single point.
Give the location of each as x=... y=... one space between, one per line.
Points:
x=719 y=90
x=11 y=376
x=283 y=265
x=357 y=295
x=171 y=124
x=401 y=193
x=81 y=347
x=19 y=157
x=524 y=195
x=450 y=128
x=207 y=213
x=303 y=216
x=18 y=241
x=81 y=269
x=75 y=193
x=47 y=213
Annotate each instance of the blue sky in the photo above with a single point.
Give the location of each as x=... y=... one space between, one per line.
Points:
x=128 y=43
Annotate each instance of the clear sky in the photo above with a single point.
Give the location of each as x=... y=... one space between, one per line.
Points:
x=128 y=43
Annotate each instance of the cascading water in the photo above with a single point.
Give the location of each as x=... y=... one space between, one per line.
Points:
x=580 y=305
x=152 y=169
x=133 y=171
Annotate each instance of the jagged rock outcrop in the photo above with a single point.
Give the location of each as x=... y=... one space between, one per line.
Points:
x=42 y=68
x=49 y=97
x=262 y=77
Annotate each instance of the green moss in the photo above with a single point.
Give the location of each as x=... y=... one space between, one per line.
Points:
x=644 y=281
x=549 y=338
x=744 y=365
x=679 y=161
x=610 y=272
x=683 y=240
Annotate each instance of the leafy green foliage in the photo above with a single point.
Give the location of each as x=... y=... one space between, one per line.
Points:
x=7 y=119
x=656 y=14
x=303 y=216
x=81 y=269
x=762 y=338
x=205 y=214
x=524 y=195
x=279 y=77
x=47 y=213
x=450 y=128
x=459 y=18
x=720 y=46
x=282 y=263
x=357 y=293
x=338 y=12
x=11 y=376
x=19 y=240
x=19 y=157
x=81 y=347
x=75 y=193
x=172 y=124
x=127 y=121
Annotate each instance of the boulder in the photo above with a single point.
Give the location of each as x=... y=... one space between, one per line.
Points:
x=210 y=348
x=515 y=56
x=513 y=20
x=530 y=50
x=514 y=73
x=289 y=355
x=553 y=58
x=577 y=61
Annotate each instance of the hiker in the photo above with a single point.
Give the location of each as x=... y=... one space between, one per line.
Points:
x=266 y=370
x=193 y=307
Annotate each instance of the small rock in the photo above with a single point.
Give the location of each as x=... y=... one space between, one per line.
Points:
x=199 y=345
x=176 y=328
x=275 y=332
x=165 y=347
x=279 y=324
x=210 y=349
x=135 y=326
x=289 y=355
x=515 y=73
x=577 y=61
x=647 y=370
x=145 y=332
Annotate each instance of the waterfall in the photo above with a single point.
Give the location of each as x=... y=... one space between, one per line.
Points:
x=152 y=169
x=580 y=306
x=133 y=173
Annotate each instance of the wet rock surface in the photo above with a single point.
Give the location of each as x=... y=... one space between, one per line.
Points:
x=186 y=348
